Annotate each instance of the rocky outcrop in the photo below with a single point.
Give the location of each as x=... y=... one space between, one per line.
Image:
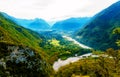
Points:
x=21 y=62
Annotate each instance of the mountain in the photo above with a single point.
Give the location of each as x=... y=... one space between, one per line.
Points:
x=71 y=24
x=98 y=32
x=39 y=25
x=33 y=24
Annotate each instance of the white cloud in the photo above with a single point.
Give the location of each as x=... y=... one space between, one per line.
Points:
x=53 y=9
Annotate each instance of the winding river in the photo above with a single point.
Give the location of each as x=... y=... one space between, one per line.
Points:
x=60 y=62
x=76 y=42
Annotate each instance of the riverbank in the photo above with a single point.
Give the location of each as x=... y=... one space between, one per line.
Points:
x=61 y=63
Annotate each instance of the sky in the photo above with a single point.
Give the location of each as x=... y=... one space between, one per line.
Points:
x=53 y=9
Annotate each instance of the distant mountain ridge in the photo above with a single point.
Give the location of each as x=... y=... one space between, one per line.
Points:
x=36 y=24
x=71 y=24
x=98 y=32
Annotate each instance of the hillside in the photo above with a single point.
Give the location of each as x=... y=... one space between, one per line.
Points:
x=102 y=66
x=98 y=32
x=12 y=33
x=71 y=24
x=20 y=53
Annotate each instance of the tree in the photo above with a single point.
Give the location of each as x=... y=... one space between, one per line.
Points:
x=116 y=31
x=115 y=55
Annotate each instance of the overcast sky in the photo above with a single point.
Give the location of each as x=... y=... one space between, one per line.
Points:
x=53 y=9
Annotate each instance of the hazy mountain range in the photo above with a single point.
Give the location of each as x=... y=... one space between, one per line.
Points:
x=36 y=24
x=71 y=24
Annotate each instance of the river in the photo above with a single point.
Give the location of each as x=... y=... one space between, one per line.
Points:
x=76 y=42
x=60 y=62
x=69 y=60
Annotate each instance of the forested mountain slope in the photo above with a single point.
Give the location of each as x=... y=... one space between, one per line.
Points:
x=98 y=32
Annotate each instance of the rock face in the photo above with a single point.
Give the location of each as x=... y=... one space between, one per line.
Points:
x=21 y=62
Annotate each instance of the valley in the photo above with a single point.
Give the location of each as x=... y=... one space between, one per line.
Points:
x=72 y=47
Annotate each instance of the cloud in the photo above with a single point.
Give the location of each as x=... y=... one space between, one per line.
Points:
x=53 y=9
